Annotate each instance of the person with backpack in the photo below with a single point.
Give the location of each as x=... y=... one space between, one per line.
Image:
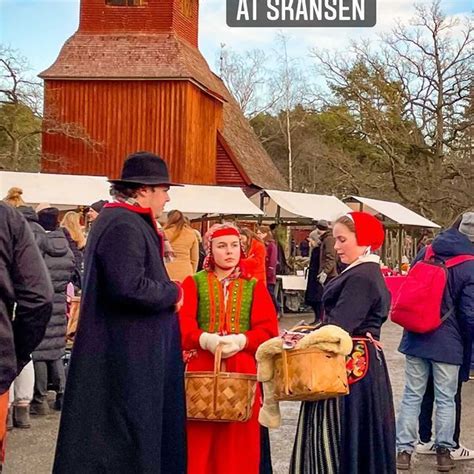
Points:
x=425 y=444
x=440 y=290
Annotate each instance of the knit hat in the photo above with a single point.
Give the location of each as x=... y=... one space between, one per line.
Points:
x=368 y=229
x=98 y=205
x=466 y=226
x=322 y=224
x=48 y=218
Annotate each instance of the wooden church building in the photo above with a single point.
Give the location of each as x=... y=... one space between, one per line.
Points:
x=132 y=78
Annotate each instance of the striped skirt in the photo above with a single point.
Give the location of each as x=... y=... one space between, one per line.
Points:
x=354 y=434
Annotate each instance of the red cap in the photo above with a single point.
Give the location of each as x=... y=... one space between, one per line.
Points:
x=368 y=229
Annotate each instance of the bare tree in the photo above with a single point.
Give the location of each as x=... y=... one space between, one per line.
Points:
x=246 y=76
x=408 y=98
x=21 y=115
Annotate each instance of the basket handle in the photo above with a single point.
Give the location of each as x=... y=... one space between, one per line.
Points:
x=286 y=378
x=218 y=359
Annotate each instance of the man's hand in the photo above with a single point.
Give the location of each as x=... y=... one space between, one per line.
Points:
x=179 y=305
x=322 y=277
x=180 y=302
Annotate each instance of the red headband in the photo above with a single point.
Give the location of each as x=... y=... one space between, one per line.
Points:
x=225 y=231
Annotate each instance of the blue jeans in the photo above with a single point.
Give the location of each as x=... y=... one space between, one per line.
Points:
x=445 y=379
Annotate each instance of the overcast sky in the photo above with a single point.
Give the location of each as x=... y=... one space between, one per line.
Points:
x=38 y=28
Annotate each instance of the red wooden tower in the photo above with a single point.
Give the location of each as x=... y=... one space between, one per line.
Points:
x=132 y=78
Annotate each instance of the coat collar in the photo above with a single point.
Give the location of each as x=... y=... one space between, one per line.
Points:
x=370 y=258
x=145 y=212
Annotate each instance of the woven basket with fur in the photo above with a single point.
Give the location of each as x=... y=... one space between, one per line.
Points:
x=310 y=375
x=219 y=395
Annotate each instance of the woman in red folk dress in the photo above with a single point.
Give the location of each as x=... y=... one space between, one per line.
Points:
x=223 y=306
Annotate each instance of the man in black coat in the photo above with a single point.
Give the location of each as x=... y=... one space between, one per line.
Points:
x=24 y=281
x=124 y=404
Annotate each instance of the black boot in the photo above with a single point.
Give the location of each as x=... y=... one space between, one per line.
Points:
x=21 y=418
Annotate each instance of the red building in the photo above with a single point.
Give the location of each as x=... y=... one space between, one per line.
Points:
x=132 y=78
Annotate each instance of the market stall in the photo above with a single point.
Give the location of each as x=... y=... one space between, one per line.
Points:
x=199 y=202
x=297 y=208
x=63 y=191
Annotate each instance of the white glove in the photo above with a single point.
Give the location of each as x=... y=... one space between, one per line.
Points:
x=322 y=277
x=233 y=343
x=209 y=341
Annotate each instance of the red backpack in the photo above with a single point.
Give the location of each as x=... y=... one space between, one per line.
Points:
x=418 y=305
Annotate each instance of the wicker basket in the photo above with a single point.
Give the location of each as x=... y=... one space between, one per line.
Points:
x=309 y=375
x=219 y=395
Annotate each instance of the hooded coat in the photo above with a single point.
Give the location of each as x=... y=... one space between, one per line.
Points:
x=451 y=342
x=124 y=408
x=59 y=260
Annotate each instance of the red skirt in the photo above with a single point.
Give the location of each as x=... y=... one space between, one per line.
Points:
x=230 y=447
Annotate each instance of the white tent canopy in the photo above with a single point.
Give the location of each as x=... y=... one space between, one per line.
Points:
x=394 y=211
x=197 y=200
x=70 y=191
x=63 y=191
x=301 y=205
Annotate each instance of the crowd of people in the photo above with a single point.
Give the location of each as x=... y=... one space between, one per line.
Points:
x=158 y=303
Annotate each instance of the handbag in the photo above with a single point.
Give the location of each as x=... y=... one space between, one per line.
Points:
x=309 y=374
x=219 y=395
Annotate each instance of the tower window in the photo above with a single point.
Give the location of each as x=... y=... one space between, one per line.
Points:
x=125 y=3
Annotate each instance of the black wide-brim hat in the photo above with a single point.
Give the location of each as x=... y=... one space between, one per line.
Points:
x=145 y=168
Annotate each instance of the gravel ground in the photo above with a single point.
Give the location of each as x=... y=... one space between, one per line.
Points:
x=31 y=451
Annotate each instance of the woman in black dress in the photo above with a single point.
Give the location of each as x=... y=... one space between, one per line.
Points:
x=354 y=434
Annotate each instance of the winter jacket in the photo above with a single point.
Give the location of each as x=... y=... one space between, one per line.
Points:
x=59 y=260
x=32 y=218
x=24 y=280
x=271 y=262
x=327 y=255
x=186 y=253
x=451 y=342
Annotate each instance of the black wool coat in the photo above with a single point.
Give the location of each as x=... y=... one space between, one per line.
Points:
x=124 y=404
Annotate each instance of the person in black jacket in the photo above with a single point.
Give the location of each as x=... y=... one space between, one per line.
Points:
x=47 y=357
x=21 y=390
x=24 y=281
x=314 y=289
x=124 y=404
x=354 y=434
